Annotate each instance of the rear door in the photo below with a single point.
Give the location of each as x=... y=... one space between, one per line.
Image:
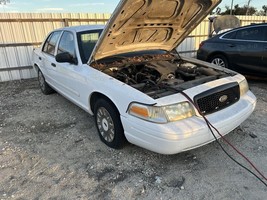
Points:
x=48 y=59
x=250 y=44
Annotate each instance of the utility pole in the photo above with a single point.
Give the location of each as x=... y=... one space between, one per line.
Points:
x=231 y=11
x=248 y=7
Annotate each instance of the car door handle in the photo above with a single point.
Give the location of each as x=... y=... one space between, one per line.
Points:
x=231 y=45
x=40 y=58
x=53 y=64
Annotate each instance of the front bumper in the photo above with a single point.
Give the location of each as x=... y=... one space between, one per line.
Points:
x=189 y=133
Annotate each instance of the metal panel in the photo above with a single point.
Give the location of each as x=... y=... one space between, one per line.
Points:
x=21 y=32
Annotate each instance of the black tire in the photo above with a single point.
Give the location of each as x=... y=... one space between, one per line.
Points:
x=45 y=88
x=108 y=124
x=219 y=60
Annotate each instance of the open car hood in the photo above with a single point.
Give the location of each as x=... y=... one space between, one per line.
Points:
x=140 y=25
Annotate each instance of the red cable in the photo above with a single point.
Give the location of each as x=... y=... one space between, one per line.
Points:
x=239 y=152
x=229 y=143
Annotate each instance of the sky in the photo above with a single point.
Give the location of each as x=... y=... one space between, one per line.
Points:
x=86 y=6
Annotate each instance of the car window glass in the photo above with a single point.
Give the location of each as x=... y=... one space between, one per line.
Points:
x=230 y=35
x=255 y=33
x=66 y=44
x=50 y=44
x=87 y=41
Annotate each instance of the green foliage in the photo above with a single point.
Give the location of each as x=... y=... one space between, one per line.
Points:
x=237 y=10
x=244 y=10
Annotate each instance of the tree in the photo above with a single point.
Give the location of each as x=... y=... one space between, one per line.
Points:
x=262 y=12
x=4 y=2
x=246 y=9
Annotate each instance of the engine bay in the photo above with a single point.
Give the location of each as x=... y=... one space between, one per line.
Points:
x=160 y=77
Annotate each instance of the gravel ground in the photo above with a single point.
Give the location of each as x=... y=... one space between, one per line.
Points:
x=49 y=149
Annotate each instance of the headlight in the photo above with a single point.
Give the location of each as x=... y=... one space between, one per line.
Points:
x=149 y=113
x=243 y=85
x=162 y=114
x=179 y=111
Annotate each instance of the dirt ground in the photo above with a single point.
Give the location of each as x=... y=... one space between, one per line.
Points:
x=49 y=149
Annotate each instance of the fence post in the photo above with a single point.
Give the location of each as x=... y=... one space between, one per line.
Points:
x=211 y=20
x=66 y=22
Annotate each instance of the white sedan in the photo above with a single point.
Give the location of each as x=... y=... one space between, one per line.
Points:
x=129 y=76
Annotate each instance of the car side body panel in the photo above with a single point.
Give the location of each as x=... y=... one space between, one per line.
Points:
x=245 y=56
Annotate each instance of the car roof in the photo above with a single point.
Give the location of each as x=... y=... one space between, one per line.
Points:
x=243 y=27
x=82 y=28
x=251 y=25
x=234 y=29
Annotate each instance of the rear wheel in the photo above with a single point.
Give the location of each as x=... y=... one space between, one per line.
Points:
x=108 y=124
x=45 y=88
x=219 y=60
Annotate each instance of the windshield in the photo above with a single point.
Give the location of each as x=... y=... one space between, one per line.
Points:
x=87 y=41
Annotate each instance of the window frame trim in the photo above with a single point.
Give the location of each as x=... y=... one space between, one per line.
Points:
x=242 y=28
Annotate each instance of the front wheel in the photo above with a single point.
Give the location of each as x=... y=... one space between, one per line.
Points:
x=219 y=60
x=108 y=124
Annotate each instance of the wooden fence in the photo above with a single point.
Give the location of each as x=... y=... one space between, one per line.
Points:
x=21 y=32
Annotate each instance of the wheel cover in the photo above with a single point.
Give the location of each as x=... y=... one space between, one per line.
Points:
x=218 y=62
x=105 y=124
x=41 y=81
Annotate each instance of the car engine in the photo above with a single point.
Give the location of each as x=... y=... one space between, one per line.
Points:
x=160 y=77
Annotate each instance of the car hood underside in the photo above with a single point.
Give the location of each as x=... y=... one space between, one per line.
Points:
x=140 y=25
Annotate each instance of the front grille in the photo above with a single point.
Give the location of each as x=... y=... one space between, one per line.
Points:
x=217 y=98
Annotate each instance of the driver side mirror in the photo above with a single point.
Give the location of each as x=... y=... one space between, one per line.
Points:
x=66 y=57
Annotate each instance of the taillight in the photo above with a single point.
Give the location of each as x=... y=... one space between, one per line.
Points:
x=201 y=44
